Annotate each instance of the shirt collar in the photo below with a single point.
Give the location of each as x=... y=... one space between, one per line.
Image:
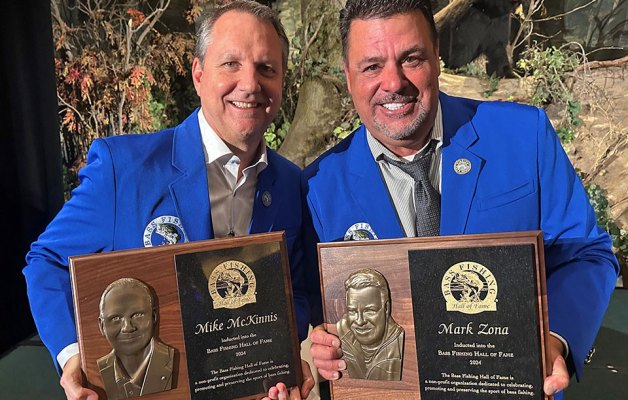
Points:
x=379 y=150
x=215 y=148
x=122 y=376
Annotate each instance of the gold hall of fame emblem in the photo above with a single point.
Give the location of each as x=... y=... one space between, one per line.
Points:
x=469 y=288
x=232 y=285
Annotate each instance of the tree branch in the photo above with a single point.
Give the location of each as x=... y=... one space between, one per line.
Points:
x=153 y=18
x=452 y=13
x=309 y=44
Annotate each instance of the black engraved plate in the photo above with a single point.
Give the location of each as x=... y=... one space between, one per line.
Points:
x=238 y=321
x=476 y=315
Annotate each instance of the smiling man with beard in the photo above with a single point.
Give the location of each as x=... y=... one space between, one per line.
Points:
x=426 y=164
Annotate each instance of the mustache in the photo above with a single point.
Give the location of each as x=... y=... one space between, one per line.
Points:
x=396 y=98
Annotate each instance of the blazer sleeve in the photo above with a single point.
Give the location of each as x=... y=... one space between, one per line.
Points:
x=580 y=265
x=84 y=225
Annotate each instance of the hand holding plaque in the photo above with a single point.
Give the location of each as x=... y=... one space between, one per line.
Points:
x=205 y=319
x=472 y=308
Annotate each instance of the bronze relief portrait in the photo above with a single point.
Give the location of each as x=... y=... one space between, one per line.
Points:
x=371 y=340
x=138 y=363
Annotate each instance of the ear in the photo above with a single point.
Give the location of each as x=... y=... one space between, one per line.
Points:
x=101 y=325
x=346 y=69
x=154 y=316
x=197 y=74
x=437 y=52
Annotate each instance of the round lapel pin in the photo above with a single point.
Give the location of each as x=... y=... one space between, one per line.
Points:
x=462 y=166
x=267 y=199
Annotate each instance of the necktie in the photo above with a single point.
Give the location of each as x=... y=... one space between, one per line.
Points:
x=426 y=198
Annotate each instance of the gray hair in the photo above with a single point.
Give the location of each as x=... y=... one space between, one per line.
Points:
x=371 y=9
x=126 y=283
x=368 y=278
x=262 y=12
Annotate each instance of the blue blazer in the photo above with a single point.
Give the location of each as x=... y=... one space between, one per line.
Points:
x=128 y=182
x=520 y=179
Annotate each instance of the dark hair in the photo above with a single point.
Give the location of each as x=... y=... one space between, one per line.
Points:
x=262 y=12
x=370 y=9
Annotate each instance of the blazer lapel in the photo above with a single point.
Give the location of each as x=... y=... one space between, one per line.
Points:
x=267 y=199
x=190 y=192
x=369 y=190
x=159 y=370
x=458 y=183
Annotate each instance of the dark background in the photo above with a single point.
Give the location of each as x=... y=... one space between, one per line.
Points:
x=31 y=183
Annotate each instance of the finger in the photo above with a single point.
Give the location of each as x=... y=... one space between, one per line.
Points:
x=559 y=380
x=308 y=379
x=330 y=375
x=321 y=337
x=282 y=391
x=72 y=381
x=80 y=393
x=273 y=394
x=322 y=352
x=330 y=365
x=295 y=394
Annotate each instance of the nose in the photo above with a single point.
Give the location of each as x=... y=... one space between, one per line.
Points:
x=249 y=81
x=393 y=78
x=360 y=320
x=127 y=325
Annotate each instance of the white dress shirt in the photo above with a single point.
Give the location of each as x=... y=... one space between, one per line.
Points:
x=231 y=199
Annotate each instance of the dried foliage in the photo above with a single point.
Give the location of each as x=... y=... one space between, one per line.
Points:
x=116 y=65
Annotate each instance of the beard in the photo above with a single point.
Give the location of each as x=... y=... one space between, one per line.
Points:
x=407 y=131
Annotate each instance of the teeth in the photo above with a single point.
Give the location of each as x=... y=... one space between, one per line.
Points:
x=393 y=106
x=241 y=104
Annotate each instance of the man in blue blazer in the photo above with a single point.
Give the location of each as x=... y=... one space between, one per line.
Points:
x=211 y=176
x=495 y=166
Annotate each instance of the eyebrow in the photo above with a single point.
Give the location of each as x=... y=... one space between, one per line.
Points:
x=229 y=55
x=376 y=59
x=237 y=56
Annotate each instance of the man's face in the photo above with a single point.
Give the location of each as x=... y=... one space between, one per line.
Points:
x=367 y=315
x=392 y=71
x=127 y=320
x=241 y=78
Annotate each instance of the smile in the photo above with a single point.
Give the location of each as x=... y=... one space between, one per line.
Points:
x=128 y=338
x=363 y=330
x=244 y=105
x=393 y=106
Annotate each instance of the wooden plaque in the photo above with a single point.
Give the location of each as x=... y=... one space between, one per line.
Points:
x=443 y=292
x=263 y=254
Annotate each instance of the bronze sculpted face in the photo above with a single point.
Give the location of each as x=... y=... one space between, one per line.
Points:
x=367 y=312
x=139 y=363
x=127 y=319
x=370 y=338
